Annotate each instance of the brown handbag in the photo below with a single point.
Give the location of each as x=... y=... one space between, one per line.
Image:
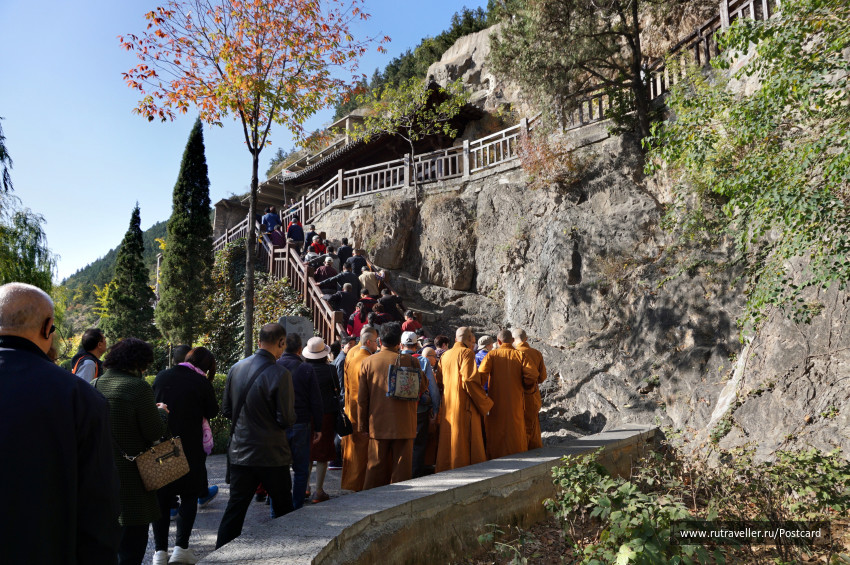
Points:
x=161 y=464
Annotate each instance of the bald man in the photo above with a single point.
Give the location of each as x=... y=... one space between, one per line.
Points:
x=509 y=373
x=531 y=398
x=60 y=504
x=462 y=429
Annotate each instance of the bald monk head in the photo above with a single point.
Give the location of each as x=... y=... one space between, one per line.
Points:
x=27 y=311
x=519 y=336
x=505 y=336
x=465 y=336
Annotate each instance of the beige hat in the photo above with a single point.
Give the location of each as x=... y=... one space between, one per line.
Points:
x=329 y=260
x=316 y=349
x=485 y=340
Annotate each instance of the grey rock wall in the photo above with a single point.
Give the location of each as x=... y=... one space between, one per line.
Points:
x=634 y=329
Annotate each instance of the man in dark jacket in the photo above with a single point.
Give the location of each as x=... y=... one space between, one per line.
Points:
x=259 y=451
x=346 y=276
x=344 y=300
x=308 y=417
x=344 y=252
x=393 y=305
x=55 y=435
x=357 y=262
x=295 y=232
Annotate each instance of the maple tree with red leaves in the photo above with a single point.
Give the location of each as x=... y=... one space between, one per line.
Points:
x=262 y=61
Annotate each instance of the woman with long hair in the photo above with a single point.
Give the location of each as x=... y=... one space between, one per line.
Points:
x=187 y=390
x=137 y=421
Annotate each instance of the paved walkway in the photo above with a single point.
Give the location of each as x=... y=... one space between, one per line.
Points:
x=206 y=524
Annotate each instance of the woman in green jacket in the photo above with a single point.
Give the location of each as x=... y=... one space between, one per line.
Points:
x=137 y=421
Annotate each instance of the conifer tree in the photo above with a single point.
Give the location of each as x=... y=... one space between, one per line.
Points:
x=188 y=255
x=129 y=306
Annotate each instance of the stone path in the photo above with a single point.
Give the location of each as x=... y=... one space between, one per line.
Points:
x=204 y=533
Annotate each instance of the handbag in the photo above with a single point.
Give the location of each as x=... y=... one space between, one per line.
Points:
x=402 y=382
x=343 y=426
x=162 y=464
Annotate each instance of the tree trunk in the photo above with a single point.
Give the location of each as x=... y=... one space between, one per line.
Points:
x=638 y=86
x=251 y=242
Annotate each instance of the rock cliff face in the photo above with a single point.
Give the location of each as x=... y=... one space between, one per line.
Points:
x=592 y=278
x=634 y=326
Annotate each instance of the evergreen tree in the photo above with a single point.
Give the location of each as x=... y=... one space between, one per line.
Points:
x=188 y=255
x=129 y=306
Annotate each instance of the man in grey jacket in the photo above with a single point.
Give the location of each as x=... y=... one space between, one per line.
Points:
x=259 y=451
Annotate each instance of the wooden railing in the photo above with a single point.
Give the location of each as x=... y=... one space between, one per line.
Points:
x=317 y=201
x=439 y=165
x=700 y=46
x=374 y=178
x=496 y=148
x=237 y=231
x=284 y=262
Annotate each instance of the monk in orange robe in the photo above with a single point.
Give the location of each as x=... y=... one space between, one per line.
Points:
x=355 y=446
x=509 y=373
x=464 y=406
x=532 y=400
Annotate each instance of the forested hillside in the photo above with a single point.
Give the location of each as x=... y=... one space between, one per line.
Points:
x=80 y=285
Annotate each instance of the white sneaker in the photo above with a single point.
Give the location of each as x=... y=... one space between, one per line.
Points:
x=160 y=558
x=181 y=555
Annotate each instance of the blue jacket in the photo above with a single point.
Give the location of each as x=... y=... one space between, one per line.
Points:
x=295 y=232
x=433 y=390
x=270 y=221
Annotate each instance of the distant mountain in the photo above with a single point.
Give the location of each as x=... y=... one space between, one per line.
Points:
x=81 y=284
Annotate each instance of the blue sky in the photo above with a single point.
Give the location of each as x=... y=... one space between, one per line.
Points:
x=82 y=159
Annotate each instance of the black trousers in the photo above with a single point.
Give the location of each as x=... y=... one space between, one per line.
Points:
x=134 y=542
x=243 y=484
x=188 y=493
x=420 y=444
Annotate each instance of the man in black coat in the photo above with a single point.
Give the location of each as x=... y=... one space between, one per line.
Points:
x=344 y=300
x=344 y=252
x=357 y=262
x=259 y=450
x=346 y=276
x=55 y=437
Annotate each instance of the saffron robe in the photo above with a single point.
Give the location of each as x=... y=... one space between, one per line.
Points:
x=532 y=399
x=355 y=446
x=509 y=372
x=464 y=406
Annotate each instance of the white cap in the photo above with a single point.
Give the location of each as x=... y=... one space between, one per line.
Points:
x=409 y=338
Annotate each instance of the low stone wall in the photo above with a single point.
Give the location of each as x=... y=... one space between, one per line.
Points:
x=432 y=519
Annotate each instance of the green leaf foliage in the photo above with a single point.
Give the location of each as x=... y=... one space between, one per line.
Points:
x=129 y=303
x=24 y=255
x=604 y=51
x=411 y=110
x=224 y=305
x=187 y=257
x=767 y=163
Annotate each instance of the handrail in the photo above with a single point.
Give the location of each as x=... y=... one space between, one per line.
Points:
x=372 y=168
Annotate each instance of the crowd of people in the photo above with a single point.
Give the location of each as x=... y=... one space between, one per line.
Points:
x=415 y=405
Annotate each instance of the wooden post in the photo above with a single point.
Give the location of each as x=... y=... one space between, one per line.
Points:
x=304 y=210
x=724 y=14
x=340 y=186
x=467 y=163
x=407 y=172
